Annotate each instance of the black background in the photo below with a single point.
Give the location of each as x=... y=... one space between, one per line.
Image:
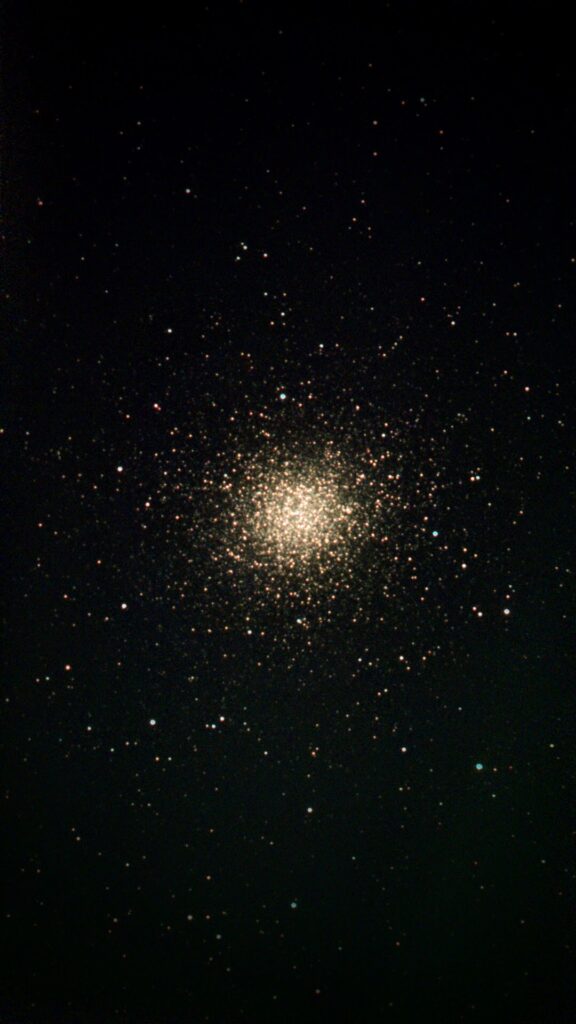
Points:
x=378 y=158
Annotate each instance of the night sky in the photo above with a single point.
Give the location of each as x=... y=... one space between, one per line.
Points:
x=288 y=456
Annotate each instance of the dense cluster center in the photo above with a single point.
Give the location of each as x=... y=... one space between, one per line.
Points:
x=301 y=519
x=295 y=516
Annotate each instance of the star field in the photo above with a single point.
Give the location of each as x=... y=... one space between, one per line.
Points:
x=303 y=515
x=288 y=455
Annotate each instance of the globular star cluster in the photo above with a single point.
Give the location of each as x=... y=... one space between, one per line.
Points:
x=300 y=514
x=298 y=519
x=289 y=582
x=295 y=515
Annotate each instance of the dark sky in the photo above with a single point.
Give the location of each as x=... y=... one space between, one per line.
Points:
x=288 y=463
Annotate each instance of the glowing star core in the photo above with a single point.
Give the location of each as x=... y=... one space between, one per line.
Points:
x=299 y=515
x=297 y=520
x=300 y=519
